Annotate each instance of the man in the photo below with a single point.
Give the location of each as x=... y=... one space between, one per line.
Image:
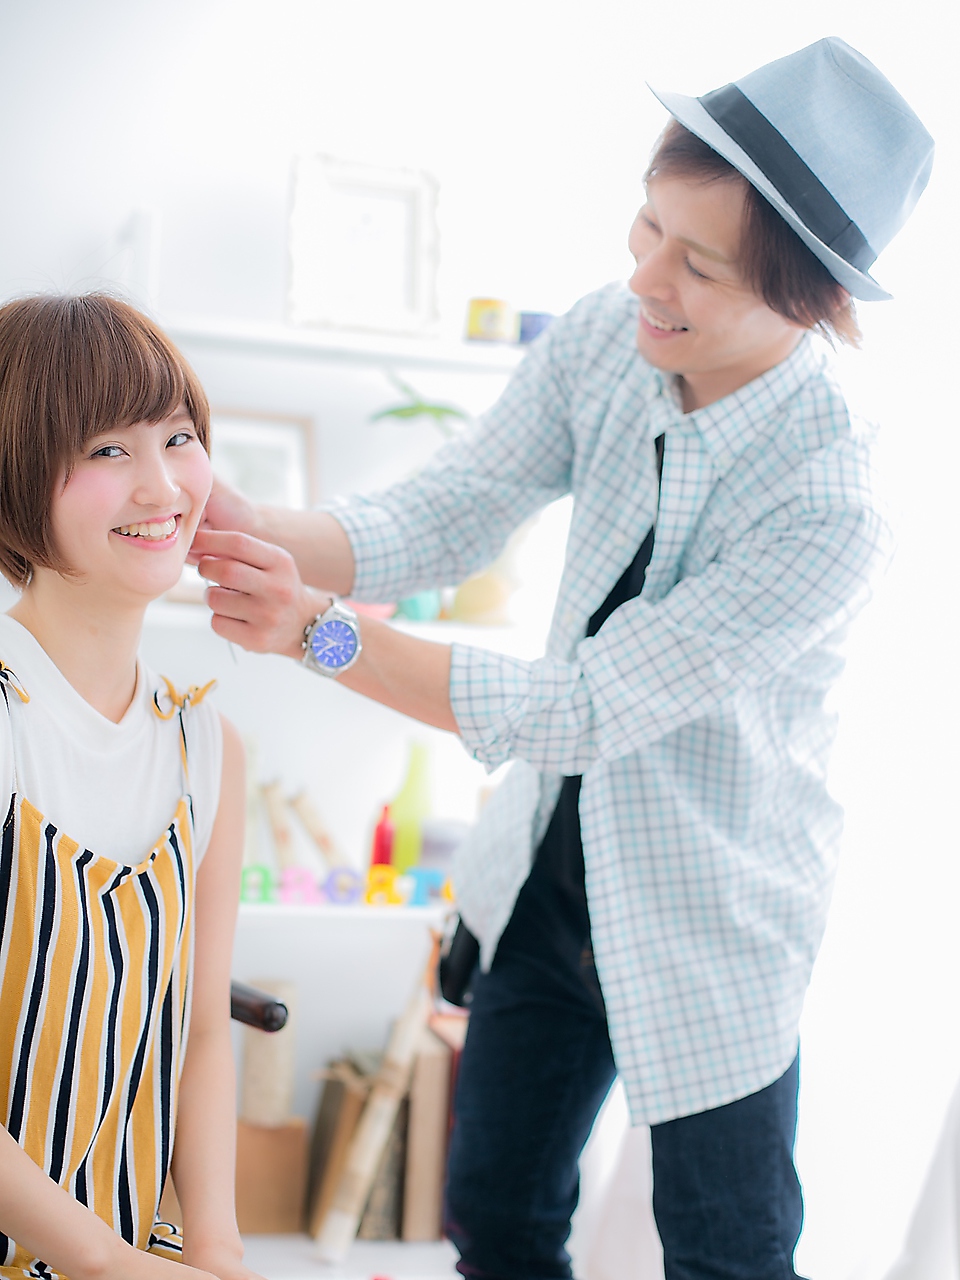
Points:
x=649 y=883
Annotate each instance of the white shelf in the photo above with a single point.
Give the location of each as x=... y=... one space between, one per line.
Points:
x=345 y=347
x=295 y=1258
x=271 y=911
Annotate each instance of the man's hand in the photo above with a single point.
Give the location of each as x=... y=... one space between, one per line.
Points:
x=259 y=601
x=227 y=509
x=317 y=542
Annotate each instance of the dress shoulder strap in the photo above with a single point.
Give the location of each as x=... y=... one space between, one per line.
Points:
x=9 y=680
x=176 y=705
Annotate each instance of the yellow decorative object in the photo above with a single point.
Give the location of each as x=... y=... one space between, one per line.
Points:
x=491 y=320
x=382 y=888
x=483 y=599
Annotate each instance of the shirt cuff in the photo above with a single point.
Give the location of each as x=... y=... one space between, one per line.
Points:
x=489 y=695
x=379 y=550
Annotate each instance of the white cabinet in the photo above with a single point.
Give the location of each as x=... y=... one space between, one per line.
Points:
x=354 y=968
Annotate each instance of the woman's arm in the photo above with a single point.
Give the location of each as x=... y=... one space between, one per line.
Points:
x=204 y=1154
x=68 y=1236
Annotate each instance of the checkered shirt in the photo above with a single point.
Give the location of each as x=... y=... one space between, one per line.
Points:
x=696 y=715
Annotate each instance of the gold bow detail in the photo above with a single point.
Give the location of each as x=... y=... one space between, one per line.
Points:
x=180 y=701
x=10 y=679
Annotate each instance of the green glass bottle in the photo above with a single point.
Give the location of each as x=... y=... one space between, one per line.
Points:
x=409 y=808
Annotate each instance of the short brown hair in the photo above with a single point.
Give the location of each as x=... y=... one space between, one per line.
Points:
x=72 y=367
x=774 y=261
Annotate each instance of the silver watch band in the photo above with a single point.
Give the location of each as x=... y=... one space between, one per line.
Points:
x=337 y=612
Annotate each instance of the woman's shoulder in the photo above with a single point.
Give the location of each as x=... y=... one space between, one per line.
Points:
x=21 y=665
x=20 y=651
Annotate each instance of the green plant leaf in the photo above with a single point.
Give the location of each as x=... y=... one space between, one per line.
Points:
x=417 y=407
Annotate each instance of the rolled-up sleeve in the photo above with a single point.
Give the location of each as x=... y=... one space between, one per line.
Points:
x=455 y=516
x=786 y=586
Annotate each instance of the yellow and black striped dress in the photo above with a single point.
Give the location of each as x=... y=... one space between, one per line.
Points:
x=95 y=961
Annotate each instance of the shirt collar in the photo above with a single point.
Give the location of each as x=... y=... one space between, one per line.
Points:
x=729 y=425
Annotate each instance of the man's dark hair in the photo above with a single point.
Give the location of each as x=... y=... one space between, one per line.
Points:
x=773 y=260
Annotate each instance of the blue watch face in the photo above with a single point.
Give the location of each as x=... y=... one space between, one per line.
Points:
x=333 y=644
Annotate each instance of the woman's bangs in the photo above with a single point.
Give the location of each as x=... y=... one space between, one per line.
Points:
x=124 y=376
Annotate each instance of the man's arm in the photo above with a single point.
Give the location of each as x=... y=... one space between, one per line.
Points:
x=653 y=667
x=454 y=516
x=204 y=1155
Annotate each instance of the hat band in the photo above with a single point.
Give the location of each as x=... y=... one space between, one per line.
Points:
x=793 y=178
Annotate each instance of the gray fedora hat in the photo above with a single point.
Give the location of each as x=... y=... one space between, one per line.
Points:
x=830 y=143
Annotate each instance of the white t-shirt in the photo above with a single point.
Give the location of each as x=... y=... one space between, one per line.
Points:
x=111 y=787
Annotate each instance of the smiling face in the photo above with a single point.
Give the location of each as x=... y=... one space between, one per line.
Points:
x=125 y=518
x=697 y=317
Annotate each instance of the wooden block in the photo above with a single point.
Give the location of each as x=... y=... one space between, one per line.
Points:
x=266 y=1086
x=276 y=806
x=427 y=1139
x=271 y=1177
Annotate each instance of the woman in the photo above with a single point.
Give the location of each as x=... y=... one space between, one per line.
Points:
x=650 y=882
x=120 y=858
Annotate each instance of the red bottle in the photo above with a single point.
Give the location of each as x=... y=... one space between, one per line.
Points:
x=382 y=852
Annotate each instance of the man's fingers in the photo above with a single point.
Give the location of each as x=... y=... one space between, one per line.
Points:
x=225 y=573
x=264 y=613
x=257 y=598
x=230 y=604
x=237 y=632
x=229 y=545
x=234 y=575
x=236 y=618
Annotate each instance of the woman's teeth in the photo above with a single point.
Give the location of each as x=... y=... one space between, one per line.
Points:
x=662 y=324
x=149 y=530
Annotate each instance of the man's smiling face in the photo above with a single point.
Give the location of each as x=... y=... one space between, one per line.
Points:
x=698 y=319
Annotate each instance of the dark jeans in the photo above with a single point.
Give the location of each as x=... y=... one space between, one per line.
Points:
x=536 y=1068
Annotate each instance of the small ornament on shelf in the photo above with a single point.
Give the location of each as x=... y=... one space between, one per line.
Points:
x=410 y=807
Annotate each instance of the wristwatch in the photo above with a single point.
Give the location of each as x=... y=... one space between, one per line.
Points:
x=331 y=642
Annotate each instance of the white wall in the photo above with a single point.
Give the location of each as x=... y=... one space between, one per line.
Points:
x=534 y=117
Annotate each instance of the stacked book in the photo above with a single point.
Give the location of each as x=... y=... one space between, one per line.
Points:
x=405 y=1199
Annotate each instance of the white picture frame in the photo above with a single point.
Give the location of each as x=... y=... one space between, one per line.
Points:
x=269 y=457
x=363 y=247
